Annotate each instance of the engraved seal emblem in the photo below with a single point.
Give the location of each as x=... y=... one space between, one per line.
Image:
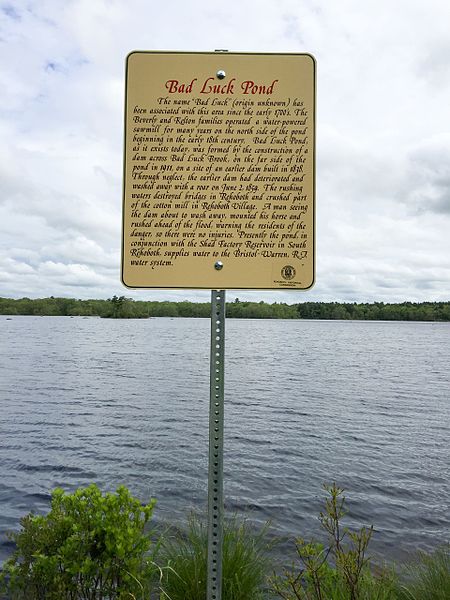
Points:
x=288 y=272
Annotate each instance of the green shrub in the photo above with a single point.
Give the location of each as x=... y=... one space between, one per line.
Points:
x=244 y=562
x=89 y=546
x=338 y=571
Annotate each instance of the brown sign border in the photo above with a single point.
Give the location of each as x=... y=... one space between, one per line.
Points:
x=313 y=198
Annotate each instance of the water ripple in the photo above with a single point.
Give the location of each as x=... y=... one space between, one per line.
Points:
x=307 y=402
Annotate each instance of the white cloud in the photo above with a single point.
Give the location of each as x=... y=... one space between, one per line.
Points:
x=383 y=139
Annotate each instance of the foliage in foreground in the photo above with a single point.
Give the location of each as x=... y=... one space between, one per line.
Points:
x=338 y=571
x=89 y=546
x=92 y=546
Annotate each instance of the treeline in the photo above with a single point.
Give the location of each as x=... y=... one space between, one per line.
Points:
x=126 y=308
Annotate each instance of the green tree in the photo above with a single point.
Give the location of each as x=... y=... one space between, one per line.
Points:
x=120 y=308
x=90 y=546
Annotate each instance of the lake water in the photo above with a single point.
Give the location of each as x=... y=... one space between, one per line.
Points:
x=364 y=404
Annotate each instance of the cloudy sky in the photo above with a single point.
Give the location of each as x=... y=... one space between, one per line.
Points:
x=383 y=137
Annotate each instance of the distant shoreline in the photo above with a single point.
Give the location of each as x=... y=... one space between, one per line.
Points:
x=126 y=308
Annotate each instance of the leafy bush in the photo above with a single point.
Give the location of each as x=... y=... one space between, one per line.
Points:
x=89 y=546
x=338 y=571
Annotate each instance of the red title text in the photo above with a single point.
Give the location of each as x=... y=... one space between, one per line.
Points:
x=210 y=86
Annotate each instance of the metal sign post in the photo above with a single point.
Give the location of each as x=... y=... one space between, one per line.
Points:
x=215 y=468
x=219 y=194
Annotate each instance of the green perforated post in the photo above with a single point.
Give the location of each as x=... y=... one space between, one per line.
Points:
x=215 y=472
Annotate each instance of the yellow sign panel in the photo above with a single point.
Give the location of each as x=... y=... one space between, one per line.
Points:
x=219 y=171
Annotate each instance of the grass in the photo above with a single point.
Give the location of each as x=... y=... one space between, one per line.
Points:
x=245 y=562
x=427 y=577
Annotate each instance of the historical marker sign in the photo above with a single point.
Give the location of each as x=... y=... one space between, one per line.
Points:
x=219 y=171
